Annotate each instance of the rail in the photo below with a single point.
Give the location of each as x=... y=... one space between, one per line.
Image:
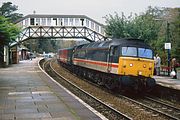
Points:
x=97 y=104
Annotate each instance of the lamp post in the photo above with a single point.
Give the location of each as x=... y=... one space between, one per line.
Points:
x=168 y=46
x=167 y=43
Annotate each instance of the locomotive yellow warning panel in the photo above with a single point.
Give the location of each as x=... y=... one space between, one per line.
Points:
x=136 y=66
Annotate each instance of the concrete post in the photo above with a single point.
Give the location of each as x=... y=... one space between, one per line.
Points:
x=6 y=55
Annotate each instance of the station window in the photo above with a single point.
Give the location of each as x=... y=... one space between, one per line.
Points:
x=66 y=21
x=32 y=21
x=97 y=28
x=43 y=21
x=49 y=21
x=77 y=21
x=71 y=20
x=87 y=23
x=60 y=22
x=37 y=21
x=92 y=25
x=54 y=22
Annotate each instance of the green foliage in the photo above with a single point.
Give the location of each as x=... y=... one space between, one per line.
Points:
x=43 y=45
x=116 y=26
x=142 y=26
x=8 y=31
x=175 y=32
x=8 y=10
x=151 y=26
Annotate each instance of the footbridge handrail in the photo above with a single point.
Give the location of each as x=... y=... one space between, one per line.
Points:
x=32 y=32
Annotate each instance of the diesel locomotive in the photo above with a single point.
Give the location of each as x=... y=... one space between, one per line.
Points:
x=120 y=64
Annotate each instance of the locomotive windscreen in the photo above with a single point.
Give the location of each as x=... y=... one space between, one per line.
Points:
x=137 y=52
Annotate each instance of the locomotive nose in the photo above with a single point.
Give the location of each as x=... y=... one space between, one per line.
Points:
x=135 y=67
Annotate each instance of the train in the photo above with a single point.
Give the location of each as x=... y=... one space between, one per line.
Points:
x=118 y=64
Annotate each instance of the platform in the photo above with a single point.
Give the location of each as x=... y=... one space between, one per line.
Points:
x=27 y=93
x=168 y=82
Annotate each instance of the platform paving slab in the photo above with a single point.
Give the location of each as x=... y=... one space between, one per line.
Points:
x=27 y=93
x=167 y=81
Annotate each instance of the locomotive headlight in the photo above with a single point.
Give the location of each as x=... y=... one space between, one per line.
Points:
x=130 y=64
x=144 y=65
x=140 y=73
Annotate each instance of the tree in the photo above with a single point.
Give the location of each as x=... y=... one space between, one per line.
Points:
x=151 y=26
x=8 y=30
x=142 y=26
x=8 y=10
x=116 y=26
x=174 y=23
x=8 y=34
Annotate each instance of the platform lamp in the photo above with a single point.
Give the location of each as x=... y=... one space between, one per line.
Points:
x=168 y=46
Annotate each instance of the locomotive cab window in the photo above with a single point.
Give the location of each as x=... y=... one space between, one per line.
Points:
x=129 y=51
x=145 y=53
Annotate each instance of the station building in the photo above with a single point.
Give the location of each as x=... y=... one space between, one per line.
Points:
x=19 y=53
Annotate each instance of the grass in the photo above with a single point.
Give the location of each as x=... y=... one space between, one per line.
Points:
x=178 y=69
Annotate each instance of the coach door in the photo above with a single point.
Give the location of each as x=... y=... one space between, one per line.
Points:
x=110 y=59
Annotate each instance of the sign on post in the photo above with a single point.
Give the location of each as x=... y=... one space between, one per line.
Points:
x=167 y=46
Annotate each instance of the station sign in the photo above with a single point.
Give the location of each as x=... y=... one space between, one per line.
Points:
x=167 y=46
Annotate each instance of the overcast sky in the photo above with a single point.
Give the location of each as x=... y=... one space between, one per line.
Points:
x=95 y=9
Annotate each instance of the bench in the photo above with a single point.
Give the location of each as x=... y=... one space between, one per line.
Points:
x=165 y=70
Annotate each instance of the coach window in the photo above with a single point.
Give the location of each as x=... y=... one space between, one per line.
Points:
x=31 y=21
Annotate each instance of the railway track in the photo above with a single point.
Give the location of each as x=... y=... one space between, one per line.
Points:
x=156 y=107
x=153 y=106
x=169 y=110
x=97 y=104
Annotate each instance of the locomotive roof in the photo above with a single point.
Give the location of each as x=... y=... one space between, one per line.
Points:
x=114 y=42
